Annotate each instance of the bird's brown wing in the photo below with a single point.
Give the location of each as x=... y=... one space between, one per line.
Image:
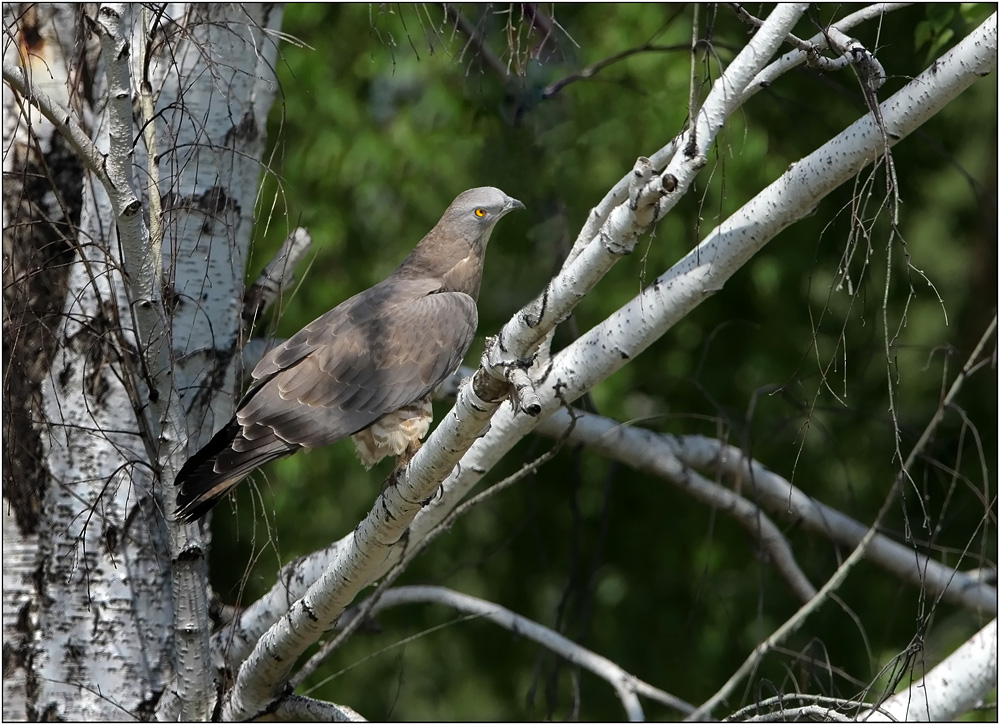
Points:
x=375 y=353
x=372 y=354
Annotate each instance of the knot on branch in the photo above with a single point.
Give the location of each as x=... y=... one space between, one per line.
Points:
x=645 y=189
x=642 y=172
x=503 y=375
x=866 y=65
x=644 y=195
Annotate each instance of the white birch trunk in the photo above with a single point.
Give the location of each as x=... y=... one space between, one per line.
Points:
x=110 y=601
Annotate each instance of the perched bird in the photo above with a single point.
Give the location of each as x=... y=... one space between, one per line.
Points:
x=366 y=368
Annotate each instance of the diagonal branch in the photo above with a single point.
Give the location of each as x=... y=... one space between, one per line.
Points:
x=355 y=617
x=634 y=446
x=652 y=453
x=650 y=197
x=296 y=708
x=64 y=121
x=810 y=53
x=364 y=554
x=971 y=590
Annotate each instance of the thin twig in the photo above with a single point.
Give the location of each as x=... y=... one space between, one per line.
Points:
x=592 y=70
x=626 y=686
x=804 y=45
x=477 y=42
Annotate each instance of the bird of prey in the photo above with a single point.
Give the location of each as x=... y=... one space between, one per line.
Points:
x=366 y=368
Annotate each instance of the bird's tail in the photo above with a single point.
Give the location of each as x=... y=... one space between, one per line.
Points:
x=224 y=461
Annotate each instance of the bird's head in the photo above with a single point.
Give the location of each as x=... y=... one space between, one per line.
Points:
x=475 y=212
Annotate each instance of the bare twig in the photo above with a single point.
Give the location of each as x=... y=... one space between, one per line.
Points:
x=590 y=71
x=741 y=12
x=477 y=42
x=626 y=686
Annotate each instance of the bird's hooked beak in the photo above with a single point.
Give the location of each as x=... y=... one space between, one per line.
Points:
x=511 y=205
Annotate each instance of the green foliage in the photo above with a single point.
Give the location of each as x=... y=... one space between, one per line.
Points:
x=935 y=32
x=385 y=119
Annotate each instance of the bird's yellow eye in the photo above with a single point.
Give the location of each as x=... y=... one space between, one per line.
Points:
x=480 y=212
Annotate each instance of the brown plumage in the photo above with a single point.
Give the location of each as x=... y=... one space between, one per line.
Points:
x=366 y=368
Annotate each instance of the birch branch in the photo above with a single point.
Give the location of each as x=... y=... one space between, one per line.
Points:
x=277 y=276
x=114 y=171
x=818 y=42
x=774 y=709
x=358 y=615
x=64 y=121
x=618 y=193
x=646 y=451
x=296 y=708
x=650 y=197
x=971 y=590
x=363 y=556
x=133 y=234
x=774 y=492
x=950 y=690
x=803 y=713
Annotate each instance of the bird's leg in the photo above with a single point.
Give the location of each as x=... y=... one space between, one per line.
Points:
x=402 y=461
